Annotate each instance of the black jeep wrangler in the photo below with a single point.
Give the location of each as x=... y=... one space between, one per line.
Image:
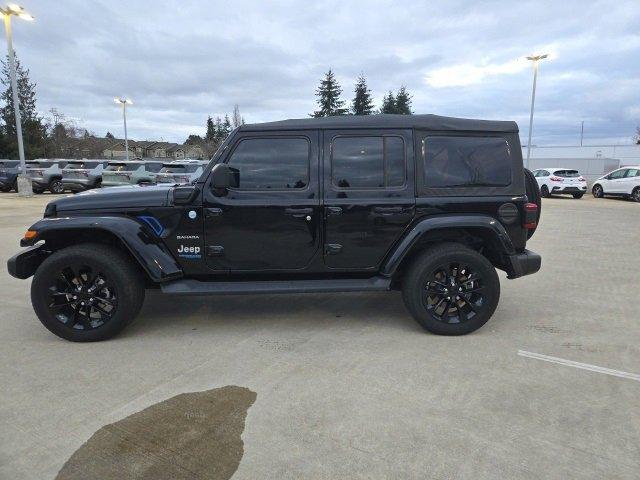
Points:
x=424 y=204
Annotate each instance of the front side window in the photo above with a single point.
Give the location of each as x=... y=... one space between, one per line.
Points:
x=618 y=174
x=271 y=163
x=153 y=167
x=367 y=162
x=466 y=162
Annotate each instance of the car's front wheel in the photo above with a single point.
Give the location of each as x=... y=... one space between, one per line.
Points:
x=87 y=292
x=451 y=289
x=56 y=186
x=597 y=191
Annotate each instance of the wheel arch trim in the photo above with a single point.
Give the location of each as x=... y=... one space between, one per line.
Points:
x=140 y=241
x=413 y=235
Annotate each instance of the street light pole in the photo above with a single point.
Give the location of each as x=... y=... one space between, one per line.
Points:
x=124 y=102
x=24 y=182
x=535 y=59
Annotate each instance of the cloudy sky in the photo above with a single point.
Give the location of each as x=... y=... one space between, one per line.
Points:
x=183 y=61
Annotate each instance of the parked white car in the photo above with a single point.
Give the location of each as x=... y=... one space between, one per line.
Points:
x=623 y=182
x=560 y=181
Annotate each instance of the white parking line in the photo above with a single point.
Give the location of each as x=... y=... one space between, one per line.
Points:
x=583 y=366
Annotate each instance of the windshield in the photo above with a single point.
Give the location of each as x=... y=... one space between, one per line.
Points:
x=567 y=173
x=123 y=167
x=179 y=169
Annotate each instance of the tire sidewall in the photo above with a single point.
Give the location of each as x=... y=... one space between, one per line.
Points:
x=597 y=191
x=127 y=306
x=635 y=194
x=544 y=191
x=56 y=186
x=422 y=269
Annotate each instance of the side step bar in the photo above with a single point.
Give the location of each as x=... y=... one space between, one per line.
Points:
x=196 y=287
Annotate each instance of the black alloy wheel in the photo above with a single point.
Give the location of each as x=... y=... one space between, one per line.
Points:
x=82 y=298
x=544 y=191
x=636 y=194
x=454 y=293
x=87 y=292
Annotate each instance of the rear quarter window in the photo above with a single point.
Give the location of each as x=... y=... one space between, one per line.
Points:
x=465 y=161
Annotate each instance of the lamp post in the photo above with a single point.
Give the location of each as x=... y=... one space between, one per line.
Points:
x=124 y=101
x=535 y=59
x=24 y=183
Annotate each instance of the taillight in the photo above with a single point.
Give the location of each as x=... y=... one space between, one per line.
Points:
x=530 y=215
x=581 y=179
x=556 y=179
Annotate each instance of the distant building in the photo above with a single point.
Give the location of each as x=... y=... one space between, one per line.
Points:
x=151 y=149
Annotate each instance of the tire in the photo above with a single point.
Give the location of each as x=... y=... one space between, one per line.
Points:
x=534 y=196
x=597 y=191
x=577 y=195
x=115 y=278
x=56 y=186
x=544 y=191
x=471 y=311
x=635 y=194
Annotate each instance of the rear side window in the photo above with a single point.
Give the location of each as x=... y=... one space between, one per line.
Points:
x=122 y=167
x=367 y=162
x=153 y=167
x=633 y=172
x=271 y=163
x=466 y=162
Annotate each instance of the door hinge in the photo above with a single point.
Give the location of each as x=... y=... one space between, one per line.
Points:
x=215 y=250
x=332 y=248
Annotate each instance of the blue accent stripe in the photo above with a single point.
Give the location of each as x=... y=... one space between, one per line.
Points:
x=153 y=222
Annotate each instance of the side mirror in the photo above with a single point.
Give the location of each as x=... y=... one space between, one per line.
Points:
x=184 y=195
x=224 y=177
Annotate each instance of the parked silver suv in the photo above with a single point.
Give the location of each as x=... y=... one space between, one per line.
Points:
x=130 y=173
x=46 y=175
x=9 y=170
x=180 y=171
x=80 y=175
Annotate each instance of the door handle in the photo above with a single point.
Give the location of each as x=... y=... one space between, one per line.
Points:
x=298 y=212
x=334 y=210
x=212 y=212
x=387 y=210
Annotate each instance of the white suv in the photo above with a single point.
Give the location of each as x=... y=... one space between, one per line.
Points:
x=556 y=181
x=623 y=182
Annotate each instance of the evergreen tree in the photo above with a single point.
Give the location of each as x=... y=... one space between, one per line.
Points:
x=194 y=140
x=226 y=127
x=33 y=129
x=362 y=102
x=388 y=103
x=217 y=129
x=210 y=136
x=403 y=102
x=328 y=94
x=109 y=135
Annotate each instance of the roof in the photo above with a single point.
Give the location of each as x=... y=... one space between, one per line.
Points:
x=426 y=122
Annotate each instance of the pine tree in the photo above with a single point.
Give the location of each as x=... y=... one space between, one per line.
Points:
x=109 y=135
x=362 y=103
x=388 y=103
x=403 y=102
x=33 y=129
x=328 y=94
x=226 y=127
x=210 y=136
x=218 y=133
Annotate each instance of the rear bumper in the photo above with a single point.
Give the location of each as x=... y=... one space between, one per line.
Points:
x=24 y=264
x=571 y=189
x=524 y=263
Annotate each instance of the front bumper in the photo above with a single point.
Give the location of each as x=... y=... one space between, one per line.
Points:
x=24 y=264
x=525 y=263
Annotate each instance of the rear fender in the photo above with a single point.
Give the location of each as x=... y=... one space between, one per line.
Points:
x=141 y=242
x=490 y=227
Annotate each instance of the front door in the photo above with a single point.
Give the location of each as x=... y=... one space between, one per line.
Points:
x=271 y=221
x=615 y=182
x=369 y=196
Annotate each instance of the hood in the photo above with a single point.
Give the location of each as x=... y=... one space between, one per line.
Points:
x=109 y=198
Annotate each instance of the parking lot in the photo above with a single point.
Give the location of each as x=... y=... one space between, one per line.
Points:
x=348 y=385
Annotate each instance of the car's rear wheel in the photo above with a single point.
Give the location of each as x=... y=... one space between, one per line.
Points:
x=87 y=292
x=451 y=289
x=544 y=191
x=597 y=191
x=577 y=195
x=635 y=195
x=56 y=186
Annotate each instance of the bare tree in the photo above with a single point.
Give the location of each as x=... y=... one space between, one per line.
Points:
x=237 y=119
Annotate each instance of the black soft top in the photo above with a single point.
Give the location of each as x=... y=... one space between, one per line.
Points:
x=421 y=122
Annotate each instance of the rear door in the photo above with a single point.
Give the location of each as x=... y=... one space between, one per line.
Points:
x=631 y=180
x=369 y=195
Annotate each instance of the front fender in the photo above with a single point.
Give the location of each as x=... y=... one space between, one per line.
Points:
x=407 y=242
x=143 y=244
